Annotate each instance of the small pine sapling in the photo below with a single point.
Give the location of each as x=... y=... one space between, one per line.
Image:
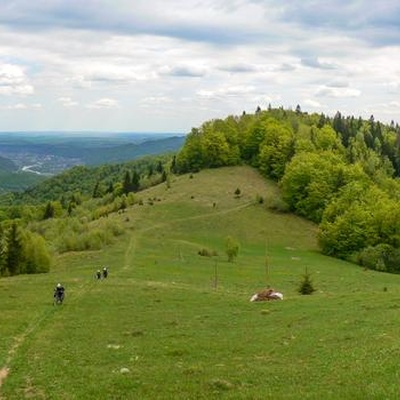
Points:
x=306 y=285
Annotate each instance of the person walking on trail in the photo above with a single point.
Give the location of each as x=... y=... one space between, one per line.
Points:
x=105 y=272
x=59 y=293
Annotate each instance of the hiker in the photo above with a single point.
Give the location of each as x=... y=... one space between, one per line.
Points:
x=98 y=274
x=105 y=272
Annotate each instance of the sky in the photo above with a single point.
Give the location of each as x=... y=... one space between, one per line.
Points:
x=170 y=65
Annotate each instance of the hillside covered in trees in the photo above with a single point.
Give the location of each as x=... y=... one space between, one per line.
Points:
x=340 y=172
x=66 y=212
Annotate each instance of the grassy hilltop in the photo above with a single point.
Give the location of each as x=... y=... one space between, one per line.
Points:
x=171 y=324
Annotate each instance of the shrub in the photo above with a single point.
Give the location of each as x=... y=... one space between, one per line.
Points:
x=381 y=257
x=259 y=199
x=207 y=253
x=278 y=205
x=231 y=248
x=306 y=286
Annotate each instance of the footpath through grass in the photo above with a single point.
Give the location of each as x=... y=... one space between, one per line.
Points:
x=170 y=324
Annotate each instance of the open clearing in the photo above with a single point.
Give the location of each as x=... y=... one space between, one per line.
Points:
x=170 y=324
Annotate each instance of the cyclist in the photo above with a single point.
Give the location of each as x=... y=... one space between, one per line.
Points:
x=59 y=293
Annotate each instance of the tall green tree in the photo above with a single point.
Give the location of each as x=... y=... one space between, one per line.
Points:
x=351 y=221
x=127 y=183
x=2 y=252
x=13 y=251
x=135 y=182
x=231 y=248
x=36 y=256
x=191 y=156
x=276 y=149
x=311 y=180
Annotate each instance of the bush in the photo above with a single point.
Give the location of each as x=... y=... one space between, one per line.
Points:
x=382 y=257
x=259 y=199
x=231 y=248
x=278 y=205
x=207 y=253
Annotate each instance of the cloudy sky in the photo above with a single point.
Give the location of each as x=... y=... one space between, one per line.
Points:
x=169 y=65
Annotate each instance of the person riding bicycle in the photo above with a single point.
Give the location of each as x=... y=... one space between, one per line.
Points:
x=59 y=292
x=105 y=272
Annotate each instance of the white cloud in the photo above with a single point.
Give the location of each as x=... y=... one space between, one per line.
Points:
x=227 y=91
x=103 y=103
x=315 y=62
x=152 y=101
x=188 y=71
x=67 y=102
x=13 y=81
x=326 y=91
x=313 y=104
x=182 y=62
x=393 y=87
x=19 y=106
x=23 y=106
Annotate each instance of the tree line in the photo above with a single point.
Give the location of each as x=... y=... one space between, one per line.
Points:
x=66 y=212
x=22 y=251
x=340 y=172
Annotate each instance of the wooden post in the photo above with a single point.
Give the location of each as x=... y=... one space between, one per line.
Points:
x=266 y=262
x=215 y=274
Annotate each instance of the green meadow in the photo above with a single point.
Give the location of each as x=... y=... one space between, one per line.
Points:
x=170 y=324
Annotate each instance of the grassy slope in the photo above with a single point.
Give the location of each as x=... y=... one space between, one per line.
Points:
x=161 y=318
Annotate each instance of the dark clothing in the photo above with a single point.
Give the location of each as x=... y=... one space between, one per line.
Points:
x=105 y=273
x=59 y=292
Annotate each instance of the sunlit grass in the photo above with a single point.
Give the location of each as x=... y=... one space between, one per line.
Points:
x=170 y=324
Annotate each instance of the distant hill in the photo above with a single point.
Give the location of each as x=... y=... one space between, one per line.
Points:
x=6 y=165
x=131 y=151
x=13 y=180
x=35 y=156
x=18 y=181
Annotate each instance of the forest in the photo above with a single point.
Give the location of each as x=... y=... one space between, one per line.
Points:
x=340 y=172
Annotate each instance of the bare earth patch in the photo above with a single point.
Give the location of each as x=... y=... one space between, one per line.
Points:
x=3 y=374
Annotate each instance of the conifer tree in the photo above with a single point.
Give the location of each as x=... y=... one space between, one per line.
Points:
x=127 y=183
x=306 y=286
x=135 y=182
x=13 y=251
x=49 y=211
x=2 y=254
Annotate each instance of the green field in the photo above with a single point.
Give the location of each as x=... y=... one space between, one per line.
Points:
x=170 y=324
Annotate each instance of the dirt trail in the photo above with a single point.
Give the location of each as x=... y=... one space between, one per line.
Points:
x=195 y=217
x=19 y=340
x=31 y=329
x=130 y=249
x=3 y=374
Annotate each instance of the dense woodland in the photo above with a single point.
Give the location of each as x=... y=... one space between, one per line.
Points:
x=340 y=172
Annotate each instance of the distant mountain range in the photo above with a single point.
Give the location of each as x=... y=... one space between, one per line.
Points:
x=27 y=157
